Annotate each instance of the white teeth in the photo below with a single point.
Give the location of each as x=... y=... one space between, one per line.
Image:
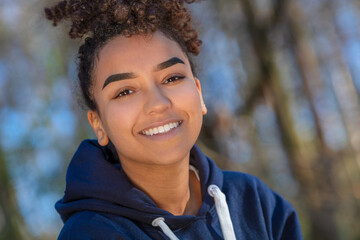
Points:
x=161 y=129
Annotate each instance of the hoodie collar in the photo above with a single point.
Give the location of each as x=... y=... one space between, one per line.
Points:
x=96 y=182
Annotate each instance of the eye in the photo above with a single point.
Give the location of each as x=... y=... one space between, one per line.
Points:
x=173 y=79
x=124 y=93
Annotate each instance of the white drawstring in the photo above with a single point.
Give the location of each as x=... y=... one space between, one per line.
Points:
x=192 y=168
x=221 y=209
x=223 y=212
x=160 y=222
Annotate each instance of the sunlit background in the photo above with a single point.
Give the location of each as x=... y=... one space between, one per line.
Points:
x=281 y=80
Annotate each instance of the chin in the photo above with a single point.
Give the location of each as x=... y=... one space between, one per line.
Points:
x=170 y=156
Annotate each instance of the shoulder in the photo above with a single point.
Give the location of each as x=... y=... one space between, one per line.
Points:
x=84 y=225
x=87 y=225
x=242 y=183
x=250 y=188
x=248 y=194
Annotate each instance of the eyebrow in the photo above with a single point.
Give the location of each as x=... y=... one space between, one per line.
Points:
x=118 y=77
x=168 y=63
x=130 y=75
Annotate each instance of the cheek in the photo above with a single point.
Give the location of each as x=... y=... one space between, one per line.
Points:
x=121 y=118
x=188 y=97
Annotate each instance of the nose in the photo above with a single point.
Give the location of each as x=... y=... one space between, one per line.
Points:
x=157 y=101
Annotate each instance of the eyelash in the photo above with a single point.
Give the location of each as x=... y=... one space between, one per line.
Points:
x=175 y=78
x=124 y=93
x=127 y=92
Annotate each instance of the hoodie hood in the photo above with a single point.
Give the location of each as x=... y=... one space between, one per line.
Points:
x=95 y=181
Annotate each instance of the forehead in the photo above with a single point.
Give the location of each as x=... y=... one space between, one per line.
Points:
x=136 y=50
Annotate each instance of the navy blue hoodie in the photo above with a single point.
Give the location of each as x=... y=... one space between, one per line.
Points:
x=101 y=203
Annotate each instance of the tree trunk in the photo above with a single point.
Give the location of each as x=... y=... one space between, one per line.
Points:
x=11 y=222
x=320 y=211
x=309 y=68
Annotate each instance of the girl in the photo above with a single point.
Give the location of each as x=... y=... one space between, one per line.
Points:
x=144 y=178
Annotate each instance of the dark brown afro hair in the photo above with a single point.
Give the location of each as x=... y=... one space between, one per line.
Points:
x=101 y=20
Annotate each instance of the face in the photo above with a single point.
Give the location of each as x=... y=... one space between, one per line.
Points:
x=149 y=103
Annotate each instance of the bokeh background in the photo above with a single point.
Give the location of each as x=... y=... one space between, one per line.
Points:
x=281 y=80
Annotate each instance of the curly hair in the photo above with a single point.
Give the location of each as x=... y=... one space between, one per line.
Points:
x=101 y=20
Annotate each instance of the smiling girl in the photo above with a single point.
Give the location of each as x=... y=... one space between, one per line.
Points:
x=144 y=178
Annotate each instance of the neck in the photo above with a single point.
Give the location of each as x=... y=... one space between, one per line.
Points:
x=172 y=187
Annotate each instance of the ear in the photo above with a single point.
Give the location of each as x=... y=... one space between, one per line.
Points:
x=96 y=124
x=203 y=107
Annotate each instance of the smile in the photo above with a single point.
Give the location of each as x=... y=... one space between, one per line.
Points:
x=161 y=129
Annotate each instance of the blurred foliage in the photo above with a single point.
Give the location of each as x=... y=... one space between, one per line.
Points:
x=281 y=80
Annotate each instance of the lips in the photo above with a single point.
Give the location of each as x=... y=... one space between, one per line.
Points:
x=161 y=129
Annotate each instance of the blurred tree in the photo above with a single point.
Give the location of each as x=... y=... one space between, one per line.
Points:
x=322 y=208
x=11 y=221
